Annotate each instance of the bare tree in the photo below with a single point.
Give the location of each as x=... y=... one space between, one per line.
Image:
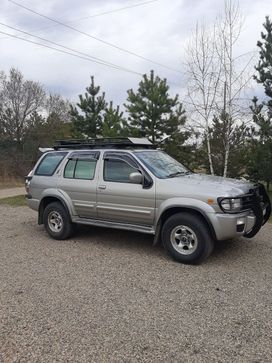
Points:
x=217 y=79
x=58 y=106
x=235 y=71
x=203 y=76
x=19 y=99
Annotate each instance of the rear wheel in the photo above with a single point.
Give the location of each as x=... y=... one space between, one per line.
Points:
x=57 y=221
x=187 y=238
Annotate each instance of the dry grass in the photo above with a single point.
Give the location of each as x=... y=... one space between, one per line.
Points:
x=17 y=201
x=11 y=183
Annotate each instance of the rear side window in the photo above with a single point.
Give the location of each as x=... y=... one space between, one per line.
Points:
x=49 y=163
x=80 y=169
x=69 y=169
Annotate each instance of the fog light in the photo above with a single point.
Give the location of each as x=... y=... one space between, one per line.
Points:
x=241 y=221
x=240 y=224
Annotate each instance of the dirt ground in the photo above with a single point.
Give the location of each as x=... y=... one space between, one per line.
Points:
x=11 y=192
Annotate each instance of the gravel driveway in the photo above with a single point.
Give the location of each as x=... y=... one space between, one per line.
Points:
x=109 y=296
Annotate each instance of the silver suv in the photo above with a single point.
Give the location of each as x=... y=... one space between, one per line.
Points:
x=128 y=184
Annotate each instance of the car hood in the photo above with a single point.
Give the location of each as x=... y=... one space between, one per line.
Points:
x=212 y=184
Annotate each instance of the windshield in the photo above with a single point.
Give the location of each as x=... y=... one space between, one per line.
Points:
x=161 y=164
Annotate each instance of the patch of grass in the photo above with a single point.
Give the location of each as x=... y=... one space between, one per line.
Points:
x=17 y=201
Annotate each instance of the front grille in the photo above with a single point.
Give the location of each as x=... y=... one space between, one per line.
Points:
x=252 y=198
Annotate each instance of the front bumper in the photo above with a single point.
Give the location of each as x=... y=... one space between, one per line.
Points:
x=228 y=226
x=247 y=223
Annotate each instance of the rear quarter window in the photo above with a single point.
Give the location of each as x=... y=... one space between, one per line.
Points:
x=49 y=163
x=80 y=169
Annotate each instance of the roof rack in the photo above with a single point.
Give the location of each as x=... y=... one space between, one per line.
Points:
x=110 y=143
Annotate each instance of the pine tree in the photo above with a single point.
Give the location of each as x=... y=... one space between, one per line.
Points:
x=264 y=67
x=114 y=123
x=221 y=133
x=175 y=143
x=260 y=167
x=87 y=116
x=150 y=108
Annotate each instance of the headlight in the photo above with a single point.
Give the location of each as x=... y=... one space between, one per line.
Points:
x=230 y=205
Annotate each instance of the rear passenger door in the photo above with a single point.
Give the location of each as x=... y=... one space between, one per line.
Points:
x=78 y=182
x=120 y=200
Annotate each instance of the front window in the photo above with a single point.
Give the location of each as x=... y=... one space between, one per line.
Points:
x=117 y=170
x=161 y=164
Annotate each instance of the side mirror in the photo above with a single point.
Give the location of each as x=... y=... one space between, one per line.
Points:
x=136 y=177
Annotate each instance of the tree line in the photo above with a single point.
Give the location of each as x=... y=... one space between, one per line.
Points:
x=215 y=132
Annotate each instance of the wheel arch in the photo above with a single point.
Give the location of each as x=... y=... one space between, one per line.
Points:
x=168 y=212
x=45 y=202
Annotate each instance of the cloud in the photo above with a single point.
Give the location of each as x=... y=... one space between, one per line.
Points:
x=157 y=31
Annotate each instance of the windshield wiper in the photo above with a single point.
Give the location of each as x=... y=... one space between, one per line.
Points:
x=177 y=173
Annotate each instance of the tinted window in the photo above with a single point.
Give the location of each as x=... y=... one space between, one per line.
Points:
x=117 y=170
x=80 y=169
x=69 y=169
x=49 y=164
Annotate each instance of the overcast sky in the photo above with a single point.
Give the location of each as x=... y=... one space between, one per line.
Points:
x=157 y=30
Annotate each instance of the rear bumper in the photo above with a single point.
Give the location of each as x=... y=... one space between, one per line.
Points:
x=33 y=203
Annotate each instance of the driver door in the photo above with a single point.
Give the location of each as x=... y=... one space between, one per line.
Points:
x=119 y=199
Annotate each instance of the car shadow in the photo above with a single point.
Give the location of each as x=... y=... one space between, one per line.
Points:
x=230 y=249
x=143 y=243
x=114 y=238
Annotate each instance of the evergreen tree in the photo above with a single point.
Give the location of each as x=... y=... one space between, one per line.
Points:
x=114 y=123
x=87 y=116
x=264 y=67
x=224 y=131
x=175 y=143
x=150 y=108
x=43 y=132
x=260 y=167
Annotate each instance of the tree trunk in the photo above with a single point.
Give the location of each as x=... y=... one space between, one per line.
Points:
x=209 y=154
x=226 y=163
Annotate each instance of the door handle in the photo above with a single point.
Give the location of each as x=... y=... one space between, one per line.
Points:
x=101 y=186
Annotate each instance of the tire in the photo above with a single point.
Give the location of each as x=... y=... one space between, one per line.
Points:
x=57 y=221
x=187 y=238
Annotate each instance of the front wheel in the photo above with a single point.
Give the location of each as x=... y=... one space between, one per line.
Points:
x=57 y=221
x=187 y=238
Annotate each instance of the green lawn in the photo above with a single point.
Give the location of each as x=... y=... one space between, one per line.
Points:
x=17 y=201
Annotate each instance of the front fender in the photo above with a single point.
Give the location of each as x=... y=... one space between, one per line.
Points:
x=179 y=202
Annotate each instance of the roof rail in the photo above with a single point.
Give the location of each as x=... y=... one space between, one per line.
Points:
x=111 y=143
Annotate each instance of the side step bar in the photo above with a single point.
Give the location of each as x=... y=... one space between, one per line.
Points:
x=115 y=225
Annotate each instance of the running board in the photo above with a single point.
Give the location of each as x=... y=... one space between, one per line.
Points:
x=115 y=225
